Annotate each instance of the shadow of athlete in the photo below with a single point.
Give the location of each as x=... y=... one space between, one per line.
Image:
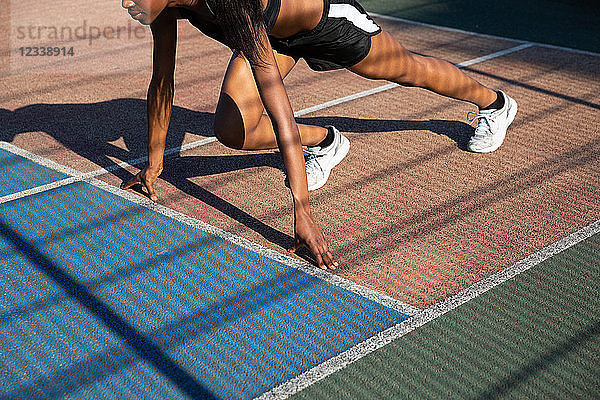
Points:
x=268 y=37
x=91 y=129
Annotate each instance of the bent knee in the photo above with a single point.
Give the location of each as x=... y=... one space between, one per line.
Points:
x=228 y=135
x=228 y=125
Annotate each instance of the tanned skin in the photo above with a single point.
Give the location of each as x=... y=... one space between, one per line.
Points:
x=250 y=90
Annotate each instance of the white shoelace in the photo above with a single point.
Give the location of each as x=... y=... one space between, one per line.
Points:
x=483 y=128
x=312 y=163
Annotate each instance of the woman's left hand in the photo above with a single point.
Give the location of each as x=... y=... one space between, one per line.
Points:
x=307 y=233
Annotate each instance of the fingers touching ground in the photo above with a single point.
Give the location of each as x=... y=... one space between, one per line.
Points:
x=321 y=253
x=146 y=179
x=136 y=180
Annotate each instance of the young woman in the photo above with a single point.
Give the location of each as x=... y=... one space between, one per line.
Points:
x=267 y=38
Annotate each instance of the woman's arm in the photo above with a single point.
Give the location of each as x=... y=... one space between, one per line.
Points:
x=277 y=105
x=159 y=99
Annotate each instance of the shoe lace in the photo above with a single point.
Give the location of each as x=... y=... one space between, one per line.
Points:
x=311 y=161
x=483 y=128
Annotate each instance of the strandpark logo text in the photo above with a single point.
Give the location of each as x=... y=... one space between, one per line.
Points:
x=95 y=36
x=82 y=32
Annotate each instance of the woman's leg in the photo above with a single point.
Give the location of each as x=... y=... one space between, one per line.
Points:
x=240 y=119
x=389 y=60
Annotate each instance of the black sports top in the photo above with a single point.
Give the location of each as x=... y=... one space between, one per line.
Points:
x=214 y=31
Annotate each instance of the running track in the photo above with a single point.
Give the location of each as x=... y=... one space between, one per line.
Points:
x=125 y=292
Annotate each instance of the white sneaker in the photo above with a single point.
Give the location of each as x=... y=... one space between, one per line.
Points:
x=492 y=125
x=320 y=161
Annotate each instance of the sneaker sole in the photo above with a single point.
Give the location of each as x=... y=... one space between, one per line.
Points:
x=512 y=112
x=339 y=156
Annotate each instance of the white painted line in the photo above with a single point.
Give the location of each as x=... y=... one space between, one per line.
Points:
x=39 y=159
x=445 y=28
x=80 y=176
x=141 y=160
x=429 y=314
x=37 y=189
x=272 y=254
x=345 y=99
x=493 y=55
x=191 y=145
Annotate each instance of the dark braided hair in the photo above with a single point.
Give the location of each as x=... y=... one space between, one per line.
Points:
x=242 y=23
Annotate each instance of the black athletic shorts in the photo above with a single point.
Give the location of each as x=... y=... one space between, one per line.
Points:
x=341 y=39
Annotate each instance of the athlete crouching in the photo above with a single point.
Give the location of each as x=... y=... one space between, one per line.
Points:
x=268 y=37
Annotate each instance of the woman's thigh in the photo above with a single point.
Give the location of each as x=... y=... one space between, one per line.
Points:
x=387 y=59
x=240 y=108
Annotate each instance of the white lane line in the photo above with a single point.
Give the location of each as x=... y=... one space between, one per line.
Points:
x=39 y=159
x=37 y=189
x=445 y=28
x=318 y=107
x=79 y=176
x=189 y=146
x=141 y=160
x=365 y=292
x=494 y=55
x=429 y=314
x=346 y=99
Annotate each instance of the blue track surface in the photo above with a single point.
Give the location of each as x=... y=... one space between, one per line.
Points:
x=18 y=174
x=103 y=298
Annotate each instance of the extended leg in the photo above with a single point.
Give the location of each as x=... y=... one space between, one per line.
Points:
x=240 y=118
x=389 y=60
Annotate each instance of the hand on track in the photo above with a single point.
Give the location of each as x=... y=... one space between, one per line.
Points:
x=146 y=178
x=308 y=234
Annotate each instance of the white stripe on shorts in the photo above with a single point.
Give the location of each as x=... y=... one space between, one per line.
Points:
x=353 y=15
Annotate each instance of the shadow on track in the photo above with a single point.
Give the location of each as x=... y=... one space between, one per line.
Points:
x=91 y=129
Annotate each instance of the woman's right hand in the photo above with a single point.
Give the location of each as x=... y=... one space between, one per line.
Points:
x=307 y=234
x=146 y=178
